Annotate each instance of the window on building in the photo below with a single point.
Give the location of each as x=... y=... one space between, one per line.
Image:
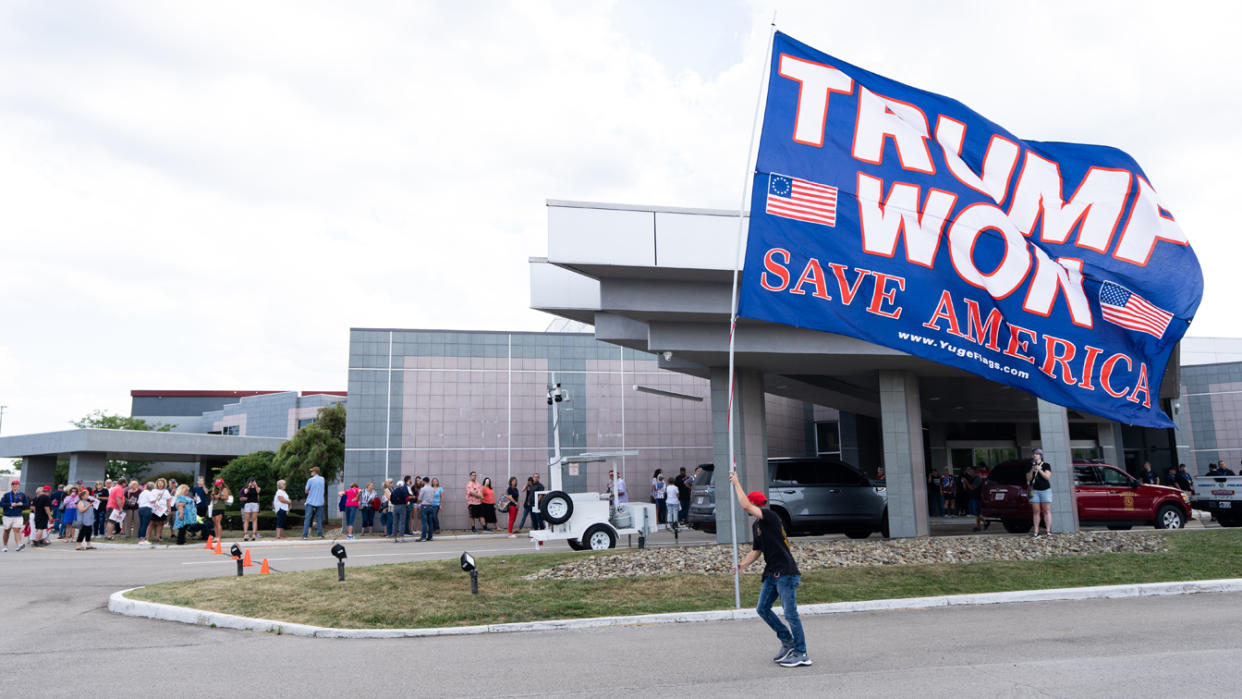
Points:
x=306 y=421
x=828 y=438
x=231 y=429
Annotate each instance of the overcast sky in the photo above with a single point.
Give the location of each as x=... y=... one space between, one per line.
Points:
x=209 y=195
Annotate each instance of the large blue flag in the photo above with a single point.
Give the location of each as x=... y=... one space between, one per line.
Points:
x=902 y=217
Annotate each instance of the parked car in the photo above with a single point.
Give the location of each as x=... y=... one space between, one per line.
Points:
x=823 y=495
x=1106 y=495
x=1220 y=495
x=702 y=514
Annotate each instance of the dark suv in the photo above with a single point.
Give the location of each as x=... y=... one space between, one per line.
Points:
x=1106 y=495
x=824 y=495
x=702 y=514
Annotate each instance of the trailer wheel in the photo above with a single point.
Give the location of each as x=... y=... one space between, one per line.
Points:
x=557 y=507
x=599 y=537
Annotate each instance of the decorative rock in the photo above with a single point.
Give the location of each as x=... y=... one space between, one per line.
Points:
x=840 y=553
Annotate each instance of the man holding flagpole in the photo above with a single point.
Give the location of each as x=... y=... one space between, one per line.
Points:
x=780 y=575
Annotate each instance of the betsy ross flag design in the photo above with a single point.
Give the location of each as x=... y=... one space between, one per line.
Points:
x=1123 y=307
x=790 y=197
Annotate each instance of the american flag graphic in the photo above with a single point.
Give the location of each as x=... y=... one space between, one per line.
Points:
x=1123 y=307
x=803 y=200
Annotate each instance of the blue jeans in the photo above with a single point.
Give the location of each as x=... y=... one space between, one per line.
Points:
x=316 y=513
x=386 y=520
x=144 y=521
x=426 y=513
x=786 y=587
x=435 y=518
x=401 y=520
x=368 y=518
x=351 y=513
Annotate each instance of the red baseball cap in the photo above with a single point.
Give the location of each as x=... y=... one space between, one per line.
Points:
x=219 y=481
x=15 y=483
x=757 y=498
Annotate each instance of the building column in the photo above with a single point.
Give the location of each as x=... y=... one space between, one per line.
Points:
x=88 y=467
x=939 y=453
x=1112 y=447
x=1054 y=439
x=38 y=471
x=901 y=424
x=750 y=446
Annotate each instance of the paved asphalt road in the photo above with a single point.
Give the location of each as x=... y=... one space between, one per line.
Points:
x=55 y=624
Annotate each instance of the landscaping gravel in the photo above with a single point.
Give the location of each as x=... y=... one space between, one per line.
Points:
x=849 y=552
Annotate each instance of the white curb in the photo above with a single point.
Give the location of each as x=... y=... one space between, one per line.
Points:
x=118 y=603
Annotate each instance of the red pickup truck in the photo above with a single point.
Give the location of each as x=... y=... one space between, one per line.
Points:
x=1106 y=495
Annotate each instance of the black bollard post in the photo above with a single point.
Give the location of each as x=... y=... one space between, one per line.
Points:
x=239 y=567
x=474 y=582
x=340 y=571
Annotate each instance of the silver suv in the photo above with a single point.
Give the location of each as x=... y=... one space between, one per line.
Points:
x=826 y=495
x=810 y=494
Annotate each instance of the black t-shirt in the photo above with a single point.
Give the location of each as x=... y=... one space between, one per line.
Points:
x=399 y=495
x=1039 y=482
x=513 y=493
x=769 y=539
x=41 y=504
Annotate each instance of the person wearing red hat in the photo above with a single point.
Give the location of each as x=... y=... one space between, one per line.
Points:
x=780 y=575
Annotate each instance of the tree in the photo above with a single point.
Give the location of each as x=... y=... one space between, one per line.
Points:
x=99 y=419
x=259 y=465
x=310 y=446
x=332 y=419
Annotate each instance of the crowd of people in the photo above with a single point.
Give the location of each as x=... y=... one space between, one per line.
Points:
x=670 y=495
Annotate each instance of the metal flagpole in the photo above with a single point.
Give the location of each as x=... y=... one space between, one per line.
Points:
x=737 y=266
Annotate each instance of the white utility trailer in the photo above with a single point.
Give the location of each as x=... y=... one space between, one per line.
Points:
x=587 y=521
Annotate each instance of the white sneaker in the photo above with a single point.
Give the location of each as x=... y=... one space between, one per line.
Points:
x=21 y=546
x=5 y=549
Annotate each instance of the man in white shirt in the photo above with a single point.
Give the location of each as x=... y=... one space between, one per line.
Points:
x=622 y=495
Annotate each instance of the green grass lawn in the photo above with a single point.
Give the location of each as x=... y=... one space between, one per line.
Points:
x=437 y=593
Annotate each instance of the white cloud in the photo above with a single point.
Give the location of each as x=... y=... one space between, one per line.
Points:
x=208 y=195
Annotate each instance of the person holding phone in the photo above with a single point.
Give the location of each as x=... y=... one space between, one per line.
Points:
x=1040 y=479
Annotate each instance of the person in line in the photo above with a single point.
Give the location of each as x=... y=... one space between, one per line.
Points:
x=412 y=484
x=314 y=503
x=657 y=494
x=352 y=497
x=42 y=512
x=437 y=493
x=129 y=527
x=366 y=505
x=101 y=502
x=400 y=498
x=249 y=499
x=161 y=508
x=69 y=516
x=510 y=503
x=185 y=513
x=220 y=499
x=536 y=516
x=281 y=504
x=489 y=505
x=13 y=502
x=201 y=498
x=426 y=511
x=1040 y=478
x=386 y=506
x=781 y=576
x=672 y=503
x=58 y=509
x=474 y=502
x=145 y=498
x=86 y=518
x=683 y=494
x=948 y=489
x=116 y=502
x=528 y=503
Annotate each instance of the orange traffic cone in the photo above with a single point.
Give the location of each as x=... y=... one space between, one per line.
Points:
x=263 y=569
x=210 y=538
x=246 y=560
x=219 y=549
